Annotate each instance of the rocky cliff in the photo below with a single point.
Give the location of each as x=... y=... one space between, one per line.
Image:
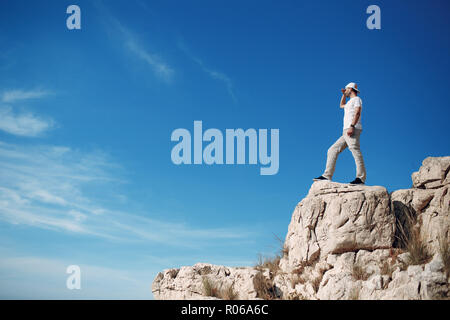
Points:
x=344 y=242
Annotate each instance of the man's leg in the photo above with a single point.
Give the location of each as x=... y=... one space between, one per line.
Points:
x=332 y=156
x=353 y=145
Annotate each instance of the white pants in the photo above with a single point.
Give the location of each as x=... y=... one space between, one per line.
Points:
x=352 y=142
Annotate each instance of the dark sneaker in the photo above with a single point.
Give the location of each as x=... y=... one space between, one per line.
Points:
x=320 y=178
x=357 y=181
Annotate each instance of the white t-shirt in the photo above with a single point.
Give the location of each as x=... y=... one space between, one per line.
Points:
x=349 y=112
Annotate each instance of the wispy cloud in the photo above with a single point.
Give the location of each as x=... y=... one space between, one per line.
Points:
x=43 y=187
x=216 y=75
x=16 y=95
x=23 y=124
x=160 y=68
x=117 y=30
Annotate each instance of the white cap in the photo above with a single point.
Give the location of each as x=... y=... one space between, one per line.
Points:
x=352 y=85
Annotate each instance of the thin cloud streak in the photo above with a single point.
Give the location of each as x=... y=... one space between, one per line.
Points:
x=161 y=69
x=23 y=124
x=17 y=95
x=131 y=43
x=43 y=187
x=216 y=75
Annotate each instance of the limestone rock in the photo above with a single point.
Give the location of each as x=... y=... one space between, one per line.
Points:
x=431 y=206
x=418 y=282
x=433 y=173
x=186 y=283
x=338 y=218
x=342 y=243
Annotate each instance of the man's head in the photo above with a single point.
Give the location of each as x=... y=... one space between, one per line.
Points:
x=351 y=89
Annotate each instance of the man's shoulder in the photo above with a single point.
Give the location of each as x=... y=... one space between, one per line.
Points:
x=357 y=100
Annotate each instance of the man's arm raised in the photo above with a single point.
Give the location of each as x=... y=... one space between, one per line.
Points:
x=343 y=98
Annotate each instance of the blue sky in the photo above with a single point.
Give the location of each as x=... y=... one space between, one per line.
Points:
x=86 y=116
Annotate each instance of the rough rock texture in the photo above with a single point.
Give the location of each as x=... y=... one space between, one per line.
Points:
x=433 y=173
x=338 y=218
x=187 y=282
x=428 y=200
x=343 y=243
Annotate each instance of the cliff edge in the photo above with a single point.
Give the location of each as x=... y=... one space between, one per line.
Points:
x=344 y=242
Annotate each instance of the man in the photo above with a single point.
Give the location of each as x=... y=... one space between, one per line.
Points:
x=350 y=136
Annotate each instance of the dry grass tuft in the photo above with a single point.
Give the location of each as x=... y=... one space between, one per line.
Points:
x=411 y=240
x=317 y=280
x=296 y=296
x=264 y=287
x=316 y=283
x=271 y=263
x=444 y=251
x=209 y=288
x=416 y=247
x=387 y=266
x=228 y=293
x=393 y=254
x=359 y=273
x=212 y=290
x=418 y=251
x=354 y=293
x=296 y=279
x=387 y=269
x=284 y=250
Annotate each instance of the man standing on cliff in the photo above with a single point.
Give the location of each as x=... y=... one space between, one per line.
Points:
x=350 y=136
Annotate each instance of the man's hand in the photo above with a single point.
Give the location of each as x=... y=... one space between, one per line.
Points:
x=350 y=131
x=343 y=98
